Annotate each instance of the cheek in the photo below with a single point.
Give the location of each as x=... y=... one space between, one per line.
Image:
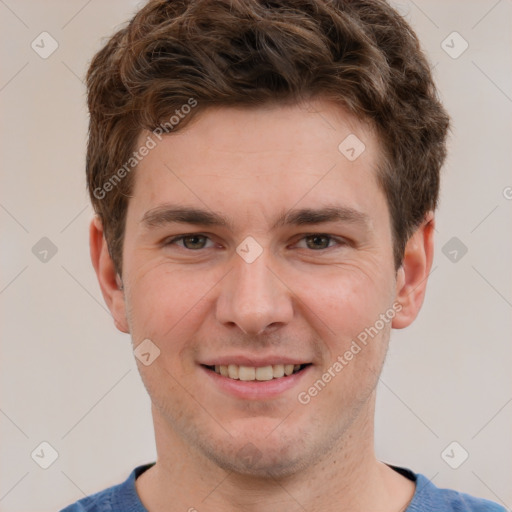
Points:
x=349 y=304
x=167 y=306
x=347 y=301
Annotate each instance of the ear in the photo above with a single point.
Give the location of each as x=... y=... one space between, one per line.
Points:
x=412 y=276
x=109 y=280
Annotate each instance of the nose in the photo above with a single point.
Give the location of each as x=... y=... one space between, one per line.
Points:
x=253 y=297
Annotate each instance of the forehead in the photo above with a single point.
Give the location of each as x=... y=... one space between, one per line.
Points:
x=260 y=159
x=297 y=128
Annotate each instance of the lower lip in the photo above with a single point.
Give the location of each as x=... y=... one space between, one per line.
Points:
x=256 y=390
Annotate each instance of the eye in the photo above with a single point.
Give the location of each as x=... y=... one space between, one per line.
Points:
x=191 y=242
x=315 y=242
x=320 y=241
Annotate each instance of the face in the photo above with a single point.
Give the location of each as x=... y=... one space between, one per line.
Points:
x=254 y=246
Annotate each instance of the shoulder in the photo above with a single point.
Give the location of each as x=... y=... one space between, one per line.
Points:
x=119 y=497
x=99 y=502
x=429 y=498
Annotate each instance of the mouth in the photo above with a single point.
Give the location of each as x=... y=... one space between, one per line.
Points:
x=257 y=373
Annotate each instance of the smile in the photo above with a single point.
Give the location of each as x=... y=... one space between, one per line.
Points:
x=260 y=373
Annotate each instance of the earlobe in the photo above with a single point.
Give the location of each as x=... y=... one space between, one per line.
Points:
x=110 y=283
x=412 y=276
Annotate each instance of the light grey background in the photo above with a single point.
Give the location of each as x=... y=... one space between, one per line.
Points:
x=69 y=378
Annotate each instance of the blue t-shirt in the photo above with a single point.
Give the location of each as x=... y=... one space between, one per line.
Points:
x=427 y=497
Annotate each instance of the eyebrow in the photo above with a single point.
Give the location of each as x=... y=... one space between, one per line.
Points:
x=169 y=214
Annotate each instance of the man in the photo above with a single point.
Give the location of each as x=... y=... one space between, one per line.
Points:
x=265 y=176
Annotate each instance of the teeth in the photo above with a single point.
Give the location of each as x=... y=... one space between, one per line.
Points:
x=278 y=370
x=262 y=373
x=233 y=371
x=288 y=369
x=265 y=373
x=246 y=373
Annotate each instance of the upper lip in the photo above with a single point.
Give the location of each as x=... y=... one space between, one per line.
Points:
x=253 y=361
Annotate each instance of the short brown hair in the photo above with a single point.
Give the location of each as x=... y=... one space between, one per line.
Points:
x=360 y=53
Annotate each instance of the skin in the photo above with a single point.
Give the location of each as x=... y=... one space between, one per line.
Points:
x=302 y=296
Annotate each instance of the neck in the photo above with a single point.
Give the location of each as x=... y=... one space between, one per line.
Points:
x=348 y=478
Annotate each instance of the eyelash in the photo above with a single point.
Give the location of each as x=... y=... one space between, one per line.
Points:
x=340 y=241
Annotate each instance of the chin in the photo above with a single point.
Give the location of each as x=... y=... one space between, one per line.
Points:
x=260 y=462
x=262 y=455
